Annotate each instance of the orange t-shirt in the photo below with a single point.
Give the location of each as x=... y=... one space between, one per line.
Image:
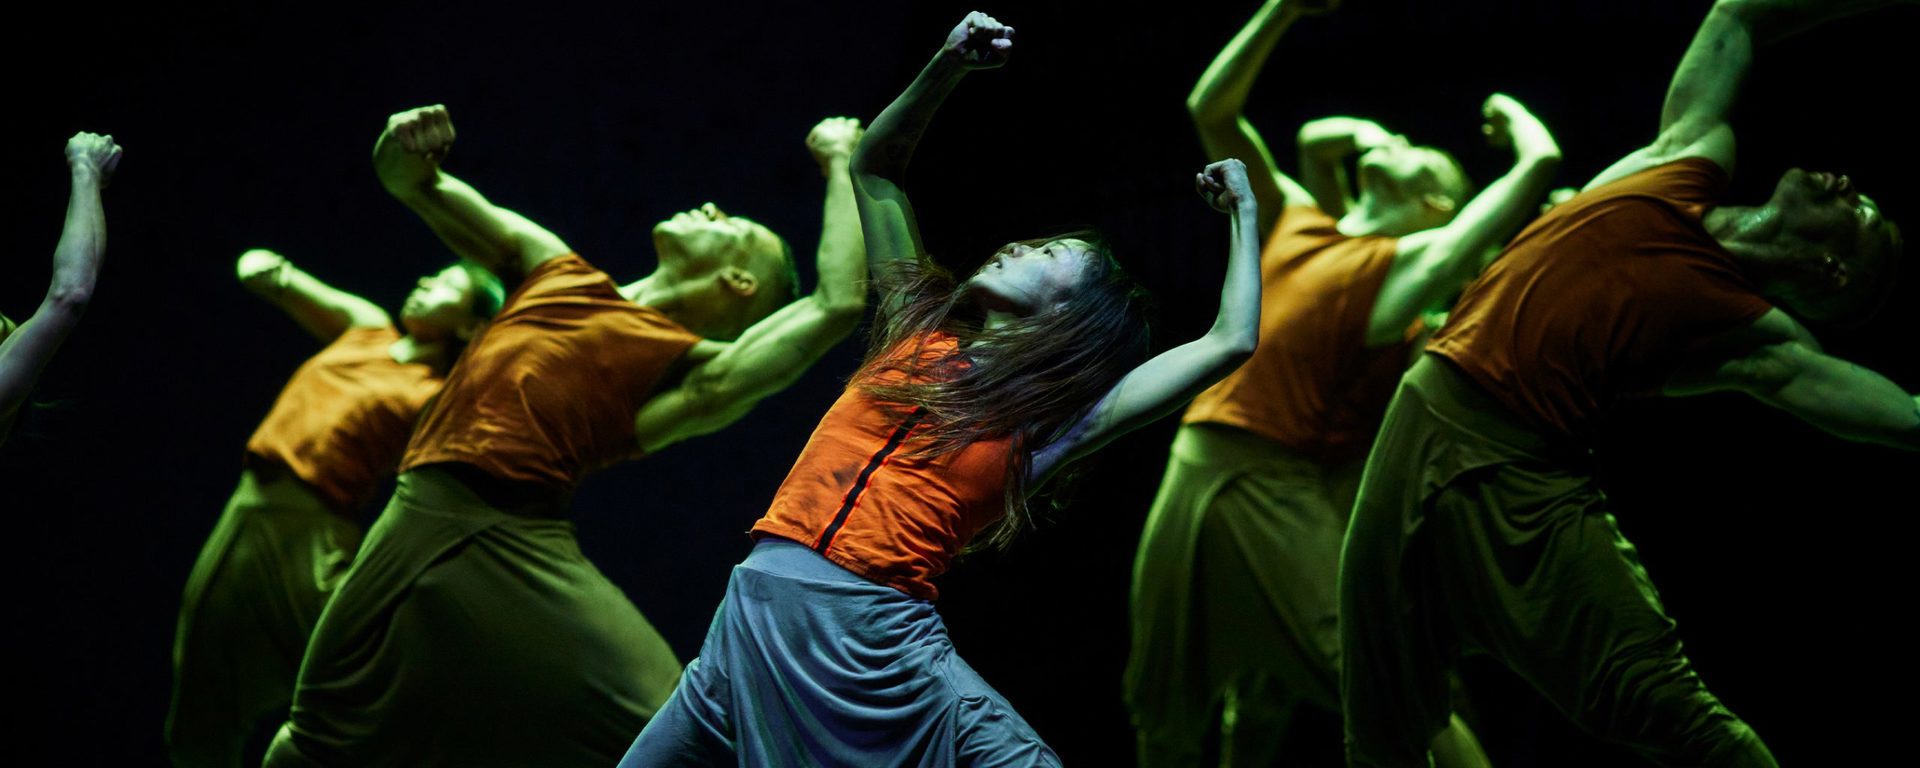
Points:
x=861 y=496
x=548 y=392
x=1600 y=298
x=1313 y=385
x=343 y=419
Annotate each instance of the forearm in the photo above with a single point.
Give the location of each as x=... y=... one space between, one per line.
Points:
x=890 y=140
x=1769 y=21
x=319 y=309
x=1851 y=402
x=1329 y=139
x=842 y=257
x=1221 y=93
x=83 y=244
x=1236 y=327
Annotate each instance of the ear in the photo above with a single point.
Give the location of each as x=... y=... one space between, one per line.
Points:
x=740 y=281
x=1438 y=202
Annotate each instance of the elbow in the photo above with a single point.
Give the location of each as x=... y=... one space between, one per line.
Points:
x=70 y=298
x=1236 y=348
x=1210 y=116
x=843 y=314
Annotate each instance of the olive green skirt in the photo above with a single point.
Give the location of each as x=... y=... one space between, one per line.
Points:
x=473 y=635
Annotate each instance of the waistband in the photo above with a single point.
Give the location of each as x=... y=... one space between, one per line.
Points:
x=1454 y=398
x=455 y=487
x=786 y=557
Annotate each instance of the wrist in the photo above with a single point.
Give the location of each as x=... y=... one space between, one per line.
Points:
x=83 y=173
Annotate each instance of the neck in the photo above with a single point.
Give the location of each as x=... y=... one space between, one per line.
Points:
x=411 y=349
x=1372 y=216
x=1749 y=235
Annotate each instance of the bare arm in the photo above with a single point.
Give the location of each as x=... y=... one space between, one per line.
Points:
x=1693 y=120
x=1218 y=99
x=91 y=160
x=1324 y=146
x=1433 y=263
x=321 y=309
x=1173 y=377
x=880 y=163
x=1778 y=362
x=407 y=158
x=771 y=354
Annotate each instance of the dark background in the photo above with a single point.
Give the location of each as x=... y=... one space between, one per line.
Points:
x=1781 y=551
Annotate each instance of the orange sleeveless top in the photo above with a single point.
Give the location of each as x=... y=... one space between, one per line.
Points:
x=1313 y=385
x=1600 y=298
x=343 y=419
x=547 y=393
x=861 y=495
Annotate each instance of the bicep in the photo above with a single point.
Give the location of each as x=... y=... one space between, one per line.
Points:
x=1148 y=392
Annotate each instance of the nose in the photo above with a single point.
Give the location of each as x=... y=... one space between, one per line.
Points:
x=713 y=211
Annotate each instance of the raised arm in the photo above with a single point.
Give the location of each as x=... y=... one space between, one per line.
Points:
x=1433 y=263
x=1693 y=120
x=407 y=157
x=321 y=309
x=771 y=354
x=1218 y=99
x=1778 y=362
x=879 y=165
x=1173 y=377
x=91 y=160
x=1325 y=145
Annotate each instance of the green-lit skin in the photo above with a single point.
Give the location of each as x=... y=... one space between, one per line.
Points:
x=278 y=550
x=26 y=348
x=517 y=567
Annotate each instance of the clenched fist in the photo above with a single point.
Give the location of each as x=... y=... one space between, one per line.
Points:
x=426 y=131
x=93 y=152
x=834 y=137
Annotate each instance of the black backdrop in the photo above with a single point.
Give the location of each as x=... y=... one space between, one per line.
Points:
x=1778 y=549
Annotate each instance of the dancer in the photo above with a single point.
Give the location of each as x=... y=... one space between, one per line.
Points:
x=1234 y=599
x=471 y=629
x=1479 y=525
x=827 y=649
x=291 y=527
x=25 y=348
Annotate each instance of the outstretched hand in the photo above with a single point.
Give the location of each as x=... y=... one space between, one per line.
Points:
x=980 y=41
x=1224 y=185
x=260 y=270
x=426 y=131
x=834 y=137
x=94 y=152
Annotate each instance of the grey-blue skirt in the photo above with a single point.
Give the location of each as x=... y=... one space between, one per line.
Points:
x=809 y=664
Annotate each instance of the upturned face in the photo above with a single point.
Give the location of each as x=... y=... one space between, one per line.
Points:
x=1405 y=171
x=1022 y=279
x=706 y=239
x=441 y=304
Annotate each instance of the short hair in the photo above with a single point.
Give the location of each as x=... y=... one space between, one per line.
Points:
x=780 y=281
x=1873 y=273
x=1460 y=185
x=489 y=294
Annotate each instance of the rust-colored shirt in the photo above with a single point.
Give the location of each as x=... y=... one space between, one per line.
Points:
x=1600 y=298
x=343 y=419
x=861 y=496
x=1313 y=385
x=547 y=393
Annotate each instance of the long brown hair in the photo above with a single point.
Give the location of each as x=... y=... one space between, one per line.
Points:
x=1027 y=380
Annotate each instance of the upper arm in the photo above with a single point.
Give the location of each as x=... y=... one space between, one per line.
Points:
x=1149 y=391
x=768 y=356
x=1777 y=362
x=1431 y=264
x=887 y=224
x=1694 y=116
x=1233 y=135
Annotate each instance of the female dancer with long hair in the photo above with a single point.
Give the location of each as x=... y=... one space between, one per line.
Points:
x=291 y=527
x=827 y=649
x=26 y=347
